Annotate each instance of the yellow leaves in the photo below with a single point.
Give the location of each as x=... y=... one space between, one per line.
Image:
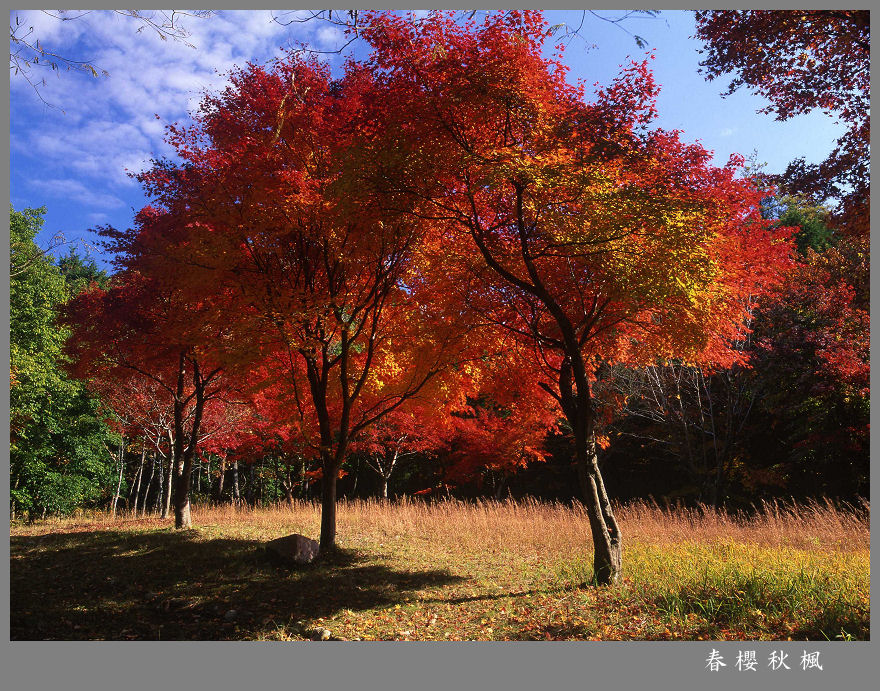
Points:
x=387 y=369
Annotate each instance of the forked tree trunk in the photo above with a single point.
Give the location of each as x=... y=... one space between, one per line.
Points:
x=605 y=531
x=284 y=480
x=184 y=448
x=288 y=490
x=499 y=489
x=383 y=465
x=577 y=406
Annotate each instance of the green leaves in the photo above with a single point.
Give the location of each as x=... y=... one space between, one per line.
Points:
x=56 y=434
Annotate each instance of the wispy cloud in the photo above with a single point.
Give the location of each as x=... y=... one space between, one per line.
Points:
x=77 y=191
x=727 y=131
x=329 y=37
x=109 y=124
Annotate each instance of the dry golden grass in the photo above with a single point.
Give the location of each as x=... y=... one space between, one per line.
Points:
x=452 y=570
x=524 y=526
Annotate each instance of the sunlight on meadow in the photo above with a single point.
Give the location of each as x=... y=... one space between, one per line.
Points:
x=520 y=570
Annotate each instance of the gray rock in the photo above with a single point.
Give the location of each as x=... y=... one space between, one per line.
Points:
x=320 y=634
x=293 y=549
x=231 y=615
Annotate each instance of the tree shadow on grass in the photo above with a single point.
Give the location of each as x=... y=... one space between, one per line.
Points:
x=175 y=586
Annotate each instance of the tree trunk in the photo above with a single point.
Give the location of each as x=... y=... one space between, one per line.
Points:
x=236 y=492
x=184 y=451
x=149 y=484
x=284 y=479
x=328 y=508
x=357 y=469
x=160 y=487
x=251 y=486
x=577 y=406
x=607 y=543
x=218 y=495
x=121 y=459
x=133 y=495
x=166 y=507
x=182 y=513
x=499 y=488
x=384 y=487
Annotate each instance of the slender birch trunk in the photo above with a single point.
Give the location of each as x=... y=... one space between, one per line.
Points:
x=136 y=483
x=121 y=460
x=169 y=478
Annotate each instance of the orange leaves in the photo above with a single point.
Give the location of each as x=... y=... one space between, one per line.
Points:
x=448 y=220
x=629 y=232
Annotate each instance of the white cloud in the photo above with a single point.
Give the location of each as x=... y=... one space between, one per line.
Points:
x=328 y=37
x=109 y=123
x=727 y=131
x=78 y=192
x=262 y=26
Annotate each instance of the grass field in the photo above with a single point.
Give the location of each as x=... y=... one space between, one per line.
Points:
x=446 y=571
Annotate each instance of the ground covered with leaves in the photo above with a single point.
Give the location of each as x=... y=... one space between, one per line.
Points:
x=446 y=571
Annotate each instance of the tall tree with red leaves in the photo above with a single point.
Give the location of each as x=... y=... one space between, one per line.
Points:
x=269 y=217
x=137 y=330
x=587 y=236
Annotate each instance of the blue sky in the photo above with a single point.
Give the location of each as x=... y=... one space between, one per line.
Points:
x=74 y=162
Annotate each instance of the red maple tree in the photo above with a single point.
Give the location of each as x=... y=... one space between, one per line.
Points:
x=267 y=220
x=574 y=226
x=135 y=334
